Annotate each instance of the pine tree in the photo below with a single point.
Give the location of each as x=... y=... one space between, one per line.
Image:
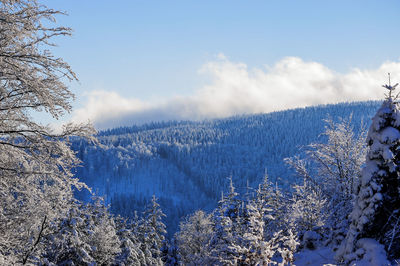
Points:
x=152 y=231
x=288 y=247
x=170 y=253
x=70 y=243
x=104 y=242
x=252 y=242
x=275 y=205
x=86 y=236
x=226 y=223
x=131 y=254
x=376 y=212
x=251 y=245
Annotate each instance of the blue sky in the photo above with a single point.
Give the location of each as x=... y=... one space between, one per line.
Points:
x=153 y=51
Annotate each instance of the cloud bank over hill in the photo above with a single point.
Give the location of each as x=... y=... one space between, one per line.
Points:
x=237 y=89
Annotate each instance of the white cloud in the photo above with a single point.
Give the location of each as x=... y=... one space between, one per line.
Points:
x=104 y=105
x=236 y=89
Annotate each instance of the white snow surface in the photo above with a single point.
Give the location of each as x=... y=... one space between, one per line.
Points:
x=319 y=256
x=374 y=255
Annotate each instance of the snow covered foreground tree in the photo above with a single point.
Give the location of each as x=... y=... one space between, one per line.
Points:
x=151 y=233
x=376 y=213
x=238 y=232
x=194 y=234
x=85 y=237
x=329 y=174
x=36 y=184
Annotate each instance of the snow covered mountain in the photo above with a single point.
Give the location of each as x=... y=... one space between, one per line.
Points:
x=187 y=164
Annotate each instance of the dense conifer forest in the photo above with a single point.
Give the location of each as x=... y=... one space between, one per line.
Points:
x=188 y=164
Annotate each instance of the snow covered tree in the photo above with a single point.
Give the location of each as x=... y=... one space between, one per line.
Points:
x=250 y=244
x=275 y=207
x=69 y=243
x=308 y=213
x=86 y=236
x=340 y=159
x=288 y=246
x=241 y=236
x=376 y=212
x=103 y=239
x=227 y=227
x=339 y=169
x=267 y=230
x=127 y=232
x=193 y=238
x=36 y=184
x=170 y=252
x=332 y=169
x=151 y=233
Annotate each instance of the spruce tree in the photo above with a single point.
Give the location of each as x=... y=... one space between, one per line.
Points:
x=131 y=254
x=253 y=248
x=377 y=205
x=152 y=233
x=275 y=207
x=226 y=224
x=87 y=236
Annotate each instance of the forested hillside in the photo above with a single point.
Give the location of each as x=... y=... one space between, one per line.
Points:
x=187 y=164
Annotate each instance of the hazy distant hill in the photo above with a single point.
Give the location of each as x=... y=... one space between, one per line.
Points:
x=186 y=164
